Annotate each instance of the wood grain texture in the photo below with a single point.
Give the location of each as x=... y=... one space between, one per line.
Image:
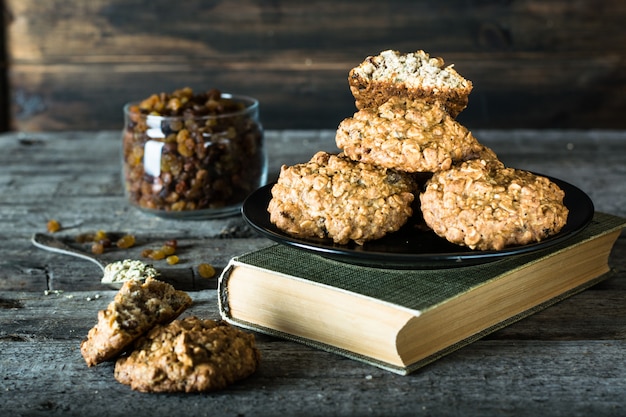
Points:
x=44 y=372
x=534 y=64
x=567 y=360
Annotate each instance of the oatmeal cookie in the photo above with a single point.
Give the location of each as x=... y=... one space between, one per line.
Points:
x=189 y=355
x=137 y=307
x=408 y=135
x=413 y=75
x=487 y=206
x=334 y=197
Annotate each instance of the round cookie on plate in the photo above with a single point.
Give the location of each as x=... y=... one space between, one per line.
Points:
x=410 y=135
x=486 y=206
x=415 y=75
x=189 y=355
x=334 y=197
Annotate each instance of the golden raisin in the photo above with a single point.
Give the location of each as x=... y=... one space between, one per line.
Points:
x=173 y=104
x=53 y=226
x=168 y=250
x=97 y=248
x=157 y=255
x=172 y=259
x=126 y=241
x=206 y=270
x=178 y=206
x=146 y=253
x=100 y=235
x=184 y=150
x=136 y=156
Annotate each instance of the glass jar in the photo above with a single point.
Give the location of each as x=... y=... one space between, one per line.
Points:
x=193 y=156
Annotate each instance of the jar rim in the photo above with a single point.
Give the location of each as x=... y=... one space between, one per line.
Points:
x=251 y=105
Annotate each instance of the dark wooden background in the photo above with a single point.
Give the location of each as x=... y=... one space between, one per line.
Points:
x=72 y=64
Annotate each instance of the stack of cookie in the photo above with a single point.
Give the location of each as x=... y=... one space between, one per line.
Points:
x=155 y=352
x=405 y=125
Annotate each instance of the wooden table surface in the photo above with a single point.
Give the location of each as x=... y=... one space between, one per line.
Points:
x=568 y=360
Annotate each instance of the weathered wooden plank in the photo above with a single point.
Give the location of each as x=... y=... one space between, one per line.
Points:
x=249 y=30
x=518 y=378
x=583 y=157
x=596 y=314
x=514 y=376
x=534 y=64
x=74 y=178
x=92 y=98
x=215 y=242
x=594 y=161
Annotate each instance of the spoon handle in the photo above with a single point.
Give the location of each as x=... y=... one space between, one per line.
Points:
x=52 y=244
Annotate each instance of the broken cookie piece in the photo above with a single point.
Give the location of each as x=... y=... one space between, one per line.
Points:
x=137 y=307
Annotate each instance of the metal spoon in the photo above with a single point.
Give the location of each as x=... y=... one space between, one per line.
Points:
x=182 y=278
x=53 y=244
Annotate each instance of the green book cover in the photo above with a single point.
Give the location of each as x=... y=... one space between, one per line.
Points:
x=417 y=291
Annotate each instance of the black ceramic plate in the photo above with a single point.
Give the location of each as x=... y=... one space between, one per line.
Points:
x=413 y=246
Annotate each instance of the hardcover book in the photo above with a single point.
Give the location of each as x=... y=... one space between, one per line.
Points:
x=398 y=319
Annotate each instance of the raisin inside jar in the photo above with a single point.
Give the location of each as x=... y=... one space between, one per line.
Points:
x=187 y=152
